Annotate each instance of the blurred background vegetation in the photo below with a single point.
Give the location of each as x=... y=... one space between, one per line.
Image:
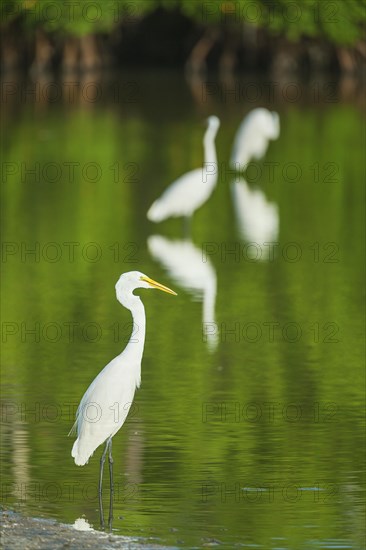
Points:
x=244 y=35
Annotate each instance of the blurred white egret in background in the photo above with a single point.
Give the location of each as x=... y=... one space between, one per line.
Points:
x=106 y=403
x=184 y=263
x=253 y=135
x=257 y=218
x=191 y=190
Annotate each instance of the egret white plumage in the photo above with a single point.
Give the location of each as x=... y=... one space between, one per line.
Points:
x=191 y=190
x=107 y=401
x=253 y=136
x=185 y=266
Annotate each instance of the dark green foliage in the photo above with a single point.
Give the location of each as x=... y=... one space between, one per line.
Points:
x=336 y=21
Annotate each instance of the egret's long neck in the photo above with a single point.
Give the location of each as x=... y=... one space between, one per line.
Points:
x=209 y=146
x=135 y=346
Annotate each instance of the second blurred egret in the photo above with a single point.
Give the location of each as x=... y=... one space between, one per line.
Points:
x=252 y=138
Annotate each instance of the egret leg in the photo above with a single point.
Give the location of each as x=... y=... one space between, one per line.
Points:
x=111 y=484
x=187 y=226
x=102 y=460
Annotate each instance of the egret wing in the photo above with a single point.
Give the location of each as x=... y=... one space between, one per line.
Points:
x=103 y=408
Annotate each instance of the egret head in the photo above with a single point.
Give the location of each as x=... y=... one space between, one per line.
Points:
x=213 y=122
x=131 y=280
x=275 y=130
x=266 y=122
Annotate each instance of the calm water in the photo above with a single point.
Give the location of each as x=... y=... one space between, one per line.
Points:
x=247 y=430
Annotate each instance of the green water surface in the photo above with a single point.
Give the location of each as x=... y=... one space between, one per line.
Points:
x=253 y=441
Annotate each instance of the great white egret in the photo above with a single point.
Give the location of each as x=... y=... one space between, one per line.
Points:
x=184 y=263
x=253 y=135
x=107 y=401
x=191 y=190
x=257 y=218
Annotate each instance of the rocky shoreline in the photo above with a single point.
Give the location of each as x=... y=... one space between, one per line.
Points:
x=19 y=532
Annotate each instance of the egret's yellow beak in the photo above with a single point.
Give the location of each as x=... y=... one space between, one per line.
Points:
x=154 y=284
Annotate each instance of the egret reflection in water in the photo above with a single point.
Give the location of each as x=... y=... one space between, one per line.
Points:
x=184 y=263
x=257 y=218
x=253 y=136
x=191 y=190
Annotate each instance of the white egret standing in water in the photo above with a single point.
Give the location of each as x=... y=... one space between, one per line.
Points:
x=186 y=266
x=252 y=138
x=106 y=403
x=191 y=190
